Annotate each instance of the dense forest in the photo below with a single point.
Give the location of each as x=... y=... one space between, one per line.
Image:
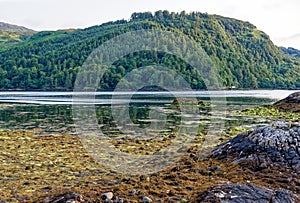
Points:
x=244 y=56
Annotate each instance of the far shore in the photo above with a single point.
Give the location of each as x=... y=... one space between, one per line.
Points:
x=145 y=89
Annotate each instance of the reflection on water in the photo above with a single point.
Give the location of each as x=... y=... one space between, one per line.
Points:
x=51 y=112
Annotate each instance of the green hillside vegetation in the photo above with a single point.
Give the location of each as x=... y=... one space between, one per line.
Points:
x=244 y=56
x=13 y=34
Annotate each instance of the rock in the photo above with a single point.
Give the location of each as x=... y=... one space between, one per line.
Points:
x=132 y=192
x=290 y=103
x=276 y=145
x=118 y=200
x=190 y=188
x=146 y=199
x=69 y=197
x=239 y=193
x=192 y=155
x=107 y=196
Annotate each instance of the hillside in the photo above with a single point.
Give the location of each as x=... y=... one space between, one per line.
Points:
x=13 y=34
x=244 y=56
x=292 y=52
x=13 y=28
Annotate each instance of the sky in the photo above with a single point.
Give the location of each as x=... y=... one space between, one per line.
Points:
x=280 y=19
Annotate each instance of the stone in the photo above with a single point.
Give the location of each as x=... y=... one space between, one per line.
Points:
x=146 y=199
x=290 y=103
x=107 y=196
x=69 y=197
x=274 y=145
x=132 y=192
x=244 y=193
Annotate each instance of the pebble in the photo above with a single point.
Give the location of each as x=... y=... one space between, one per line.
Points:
x=189 y=188
x=192 y=155
x=107 y=196
x=146 y=199
x=118 y=200
x=132 y=192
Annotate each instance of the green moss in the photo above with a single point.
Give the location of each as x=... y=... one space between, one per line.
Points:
x=270 y=112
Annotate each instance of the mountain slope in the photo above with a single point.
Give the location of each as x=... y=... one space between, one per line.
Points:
x=244 y=56
x=290 y=51
x=14 y=28
x=13 y=34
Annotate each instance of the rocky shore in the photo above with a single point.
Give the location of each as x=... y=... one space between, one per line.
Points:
x=270 y=154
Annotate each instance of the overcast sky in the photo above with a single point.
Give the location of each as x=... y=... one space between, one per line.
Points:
x=280 y=19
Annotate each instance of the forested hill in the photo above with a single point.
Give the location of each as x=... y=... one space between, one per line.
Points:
x=244 y=56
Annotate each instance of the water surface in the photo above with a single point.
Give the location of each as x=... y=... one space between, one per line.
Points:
x=51 y=112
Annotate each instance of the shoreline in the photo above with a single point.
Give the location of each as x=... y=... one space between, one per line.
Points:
x=125 y=90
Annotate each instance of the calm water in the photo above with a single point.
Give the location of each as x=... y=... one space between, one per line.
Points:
x=51 y=112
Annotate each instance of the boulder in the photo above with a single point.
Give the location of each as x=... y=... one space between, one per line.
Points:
x=276 y=145
x=245 y=193
x=291 y=103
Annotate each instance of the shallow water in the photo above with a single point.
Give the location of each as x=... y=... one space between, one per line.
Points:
x=51 y=112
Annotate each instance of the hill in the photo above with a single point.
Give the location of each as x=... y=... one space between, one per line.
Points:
x=290 y=51
x=14 y=28
x=244 y=56
x=13 y=34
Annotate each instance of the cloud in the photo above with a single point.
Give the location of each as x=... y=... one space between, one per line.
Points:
x=278 y=18
x=291 y=41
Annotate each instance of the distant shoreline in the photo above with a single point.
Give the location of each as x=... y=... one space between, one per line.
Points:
x=109 y=90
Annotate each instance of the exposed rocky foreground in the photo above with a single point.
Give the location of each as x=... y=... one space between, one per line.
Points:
x=260 y=164
x=58 y=169
x=270 y=154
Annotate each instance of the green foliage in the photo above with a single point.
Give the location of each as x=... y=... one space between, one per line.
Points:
x=8 y=39
x=271 y=112
x=244 y=56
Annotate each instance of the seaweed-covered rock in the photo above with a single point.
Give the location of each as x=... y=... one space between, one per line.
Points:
x=69 y=197
x=291 y=103
x=276 y=145
x=241 y=193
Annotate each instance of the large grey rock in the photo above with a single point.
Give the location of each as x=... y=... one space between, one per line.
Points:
x=239 y=193
x=276 y=145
